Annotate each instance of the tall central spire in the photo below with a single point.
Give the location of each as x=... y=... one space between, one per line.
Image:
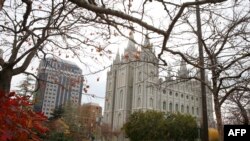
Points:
x=131 y=41
x=147 y=43
x=117 y=57
x=183 y=72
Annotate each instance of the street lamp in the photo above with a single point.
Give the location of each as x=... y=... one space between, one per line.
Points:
x=199 y=130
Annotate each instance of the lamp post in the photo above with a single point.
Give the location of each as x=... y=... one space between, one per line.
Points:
x=204 y=124
x=199 y=130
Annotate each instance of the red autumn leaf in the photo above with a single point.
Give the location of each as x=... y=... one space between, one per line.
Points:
x=17 y=121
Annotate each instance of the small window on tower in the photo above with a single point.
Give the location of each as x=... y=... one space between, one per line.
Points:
x=139 y=76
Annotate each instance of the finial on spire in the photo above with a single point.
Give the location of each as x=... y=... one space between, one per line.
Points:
x=131 y=42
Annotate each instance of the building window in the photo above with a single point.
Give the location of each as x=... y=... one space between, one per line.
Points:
x=187 y=97
x=139 y=89
x=176 y=107
x=151 y=102
x=139 y=102
x=107 y=117
x=170 y=93
x=182 y=108
x=109 y=85
x=119 y=120
x=192 y=98
x=139 y=76
x=170 y=107
x=164 y=91
x=188 y=109
x=108 y=106
x=121 y=99
x=181 y=95
x=192 y=110
x=176 y=94
x=164 y=106
x=197 y=111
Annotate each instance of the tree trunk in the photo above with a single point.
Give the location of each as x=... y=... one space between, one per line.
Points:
x=219 y=118
x=5 y=80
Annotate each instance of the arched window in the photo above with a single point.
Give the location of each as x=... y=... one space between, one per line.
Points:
x=138 y=102
x=176 y=107
x=170 y=107
x=151 y=102
x=109 y=85
x=139 y=89
x=107 y=117
x=188 y=109
x=121 y=99
x=182 y=108
x=164 y=106
x=122 y=79
x=139 y=76
x=108 y=106
x=119 y=120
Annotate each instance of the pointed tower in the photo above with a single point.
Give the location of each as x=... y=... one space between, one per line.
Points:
x=169 y=76
x=117 y=57
x=130 y=51
x=147 y=53
x=131 y=42
x=183 y=72
x=147 y=43
x=145 y=80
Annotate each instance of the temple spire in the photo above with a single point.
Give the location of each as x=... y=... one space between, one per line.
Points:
x=147 y=43
x=117 y=57
x=131 y=41
x=183 y=72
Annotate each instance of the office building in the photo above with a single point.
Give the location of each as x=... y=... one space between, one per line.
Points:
x=59 y=81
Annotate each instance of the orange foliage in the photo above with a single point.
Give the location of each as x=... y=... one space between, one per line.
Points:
x=213 y=134
x=17 y=121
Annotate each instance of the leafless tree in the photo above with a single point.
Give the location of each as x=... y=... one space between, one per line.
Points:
x=40 y=27
x=237 y=106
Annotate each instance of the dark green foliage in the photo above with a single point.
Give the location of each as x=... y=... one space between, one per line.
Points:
x=58 y=136
x=181 y=127
x=146 y=126
x=157 y=126
x=58 y=113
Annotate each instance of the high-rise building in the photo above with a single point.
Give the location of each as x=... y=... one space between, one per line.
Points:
x=135 y=85
x=59 y=81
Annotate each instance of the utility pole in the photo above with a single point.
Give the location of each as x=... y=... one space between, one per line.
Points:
x=204 y=123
